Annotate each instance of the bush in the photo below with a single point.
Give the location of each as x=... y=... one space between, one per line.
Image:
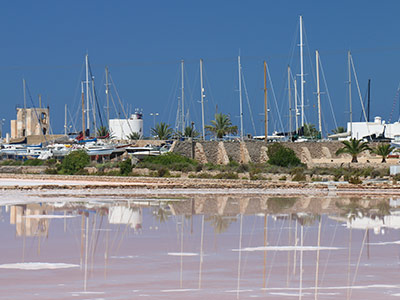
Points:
x=10 y=162
x=227 y=175
x=298 y=174
x=33 y=162
x=163 y=172
x=282 y=156
x=75 y=162
x=170 y=160
x=354 y=180
x=125 y=167
x=51 y=171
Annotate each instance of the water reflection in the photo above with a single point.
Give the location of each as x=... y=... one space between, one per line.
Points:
x=222 y=247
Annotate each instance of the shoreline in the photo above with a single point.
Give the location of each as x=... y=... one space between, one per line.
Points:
x=190 y=185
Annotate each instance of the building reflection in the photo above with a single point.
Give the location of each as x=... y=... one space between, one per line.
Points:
x=28 y=219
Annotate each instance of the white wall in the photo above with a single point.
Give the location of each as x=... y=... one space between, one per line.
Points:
x=121 y=128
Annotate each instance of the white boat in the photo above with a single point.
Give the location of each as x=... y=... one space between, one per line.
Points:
x=148 y=150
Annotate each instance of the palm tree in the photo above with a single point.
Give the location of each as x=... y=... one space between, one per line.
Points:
x=134 y=136
x=383 y=150
x=162 y=130
x=339 y=129
x=191 y=132
x=103 y=131
x=310 y=130
x=353 y=147
x=221 y=126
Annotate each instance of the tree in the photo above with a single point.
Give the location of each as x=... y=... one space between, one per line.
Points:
x=339 y=129
x=162 y=131
x=221 y=126
x=310 y=131
x=190 y=132
x=74 y=162
x=104 y=132
x=353 y=147
x=280 y=155
x=383 y=150
x=134 y=136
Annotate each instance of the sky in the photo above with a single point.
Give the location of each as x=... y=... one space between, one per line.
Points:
x=143 y=43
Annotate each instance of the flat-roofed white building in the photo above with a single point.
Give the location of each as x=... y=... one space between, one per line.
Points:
x=122 y=128
x=379 y=127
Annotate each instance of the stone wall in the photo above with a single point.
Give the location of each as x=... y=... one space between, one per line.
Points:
x=254 y=151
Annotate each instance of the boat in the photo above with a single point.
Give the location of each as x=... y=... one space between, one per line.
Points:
x=148 y=150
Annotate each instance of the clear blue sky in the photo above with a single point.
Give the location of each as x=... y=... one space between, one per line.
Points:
x=143 y=42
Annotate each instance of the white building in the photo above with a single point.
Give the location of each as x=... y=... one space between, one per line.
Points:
x=360 y=130
x=122 y=128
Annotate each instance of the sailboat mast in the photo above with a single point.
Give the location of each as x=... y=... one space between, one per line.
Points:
x=290 y=104
x=295 y=105
x=202 y=99
x=265 y=102
x=94 y=107
x=65 y=120
x=301 y=71
x=183 y=96
x=240 y=98
x=350 y=104
x=87 y=92
x=83 y=110
x=369 y=99
x=318 y=92
x=108 y=98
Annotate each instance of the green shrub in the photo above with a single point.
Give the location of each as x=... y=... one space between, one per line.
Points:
x=172 y=161
x=163 y=172
x=33 y=162
x=316 y=178
x=280 y=155
x=354 y=180
x=298 y=174
x=50 y=162
x=75 y=162
x=10 y=162
x=283 y=178
x=201 y=175
x=125 y=167
x=51 y=171
x=226 y=175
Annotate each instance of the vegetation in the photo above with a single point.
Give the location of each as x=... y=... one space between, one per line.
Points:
x=190 y=132
x=103 y=131
x=383 y=150
x=353 y=147
x=221 y=126
x=125 y=167
x=171 y=161
x=133 y=136
x=75 y=162
x=162 y=131
x=339 y=129
x=310 y=131
x=282 y=156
